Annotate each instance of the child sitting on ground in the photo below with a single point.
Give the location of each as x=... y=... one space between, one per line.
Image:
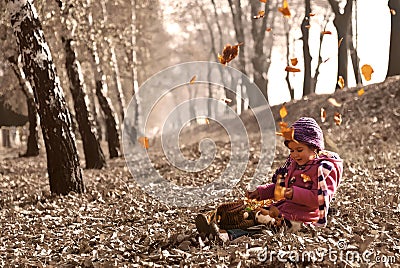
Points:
x=309 y=179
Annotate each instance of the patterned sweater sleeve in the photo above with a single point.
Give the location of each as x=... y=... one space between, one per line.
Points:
x=266 y=191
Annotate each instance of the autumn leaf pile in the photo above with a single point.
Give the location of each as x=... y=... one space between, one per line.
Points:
x=115 y=224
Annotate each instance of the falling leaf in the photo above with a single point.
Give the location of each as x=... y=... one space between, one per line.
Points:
x=334 y=102
x=229 y=53
x=268 y=29
x=305 y=177
x=294 y=61
x=323 y=115
x=367 y=71
x=308 y=26
x=292 y=69
x=144 y=141
x=393 y=12
x=283 y=112
x=340 y=41
x=285 y=9
x=311 y=14
x=341 y=82
x=286 y=132
x=193 y=79
x=337 y=118
x=326 y=32
x=260 y=14
x=263 y=1
x=361 y=92
x=226 y=100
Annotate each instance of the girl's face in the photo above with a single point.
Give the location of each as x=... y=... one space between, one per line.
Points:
x=300 y=152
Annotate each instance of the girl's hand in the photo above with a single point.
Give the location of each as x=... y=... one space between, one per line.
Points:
x=253 y=195
x=289 y=193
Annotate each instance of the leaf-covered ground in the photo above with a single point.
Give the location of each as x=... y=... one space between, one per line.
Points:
x=115 y=224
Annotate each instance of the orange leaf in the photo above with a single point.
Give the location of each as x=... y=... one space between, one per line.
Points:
x=193 y=79
x=285 y=9
x=393 y=12
x=361 y=92
x=326 y=32
x=311 y=14
x=334 y=102
x=229 y=53
x=263 y=1
x=305 y=177
x=294 y=61
x=292 y=69
x=323 y=115
x=268 y=29
x=283 y=112
x=260 y=14
x=341 y=82
x=144 y=141
x=340 y=41
x=286 y=132
x=367 y=71
x=337 y=118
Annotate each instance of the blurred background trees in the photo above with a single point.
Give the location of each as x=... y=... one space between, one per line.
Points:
x=119 y=44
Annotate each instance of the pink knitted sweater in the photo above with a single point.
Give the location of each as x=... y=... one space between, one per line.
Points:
x=312 y=191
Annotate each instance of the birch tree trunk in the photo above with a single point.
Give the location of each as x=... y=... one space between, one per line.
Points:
x=114 y=146
x=62 y=157
x=93 y=153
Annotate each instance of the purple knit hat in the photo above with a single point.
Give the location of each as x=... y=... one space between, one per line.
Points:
x=308 y=131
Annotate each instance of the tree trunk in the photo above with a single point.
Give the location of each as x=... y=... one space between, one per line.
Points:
x=287 y=78
x=342 y=22
x=114 y=66
x=134 y=71
x=93 y=154
x=62 y=157
x=259 y=58
x=236 y=11
x=306 y=50
x=394 y=52
x=114 y=146
x=32 y=147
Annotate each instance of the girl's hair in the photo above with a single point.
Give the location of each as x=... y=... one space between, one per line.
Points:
x=312 y=147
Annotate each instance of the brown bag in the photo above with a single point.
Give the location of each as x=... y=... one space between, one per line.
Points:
x=233 y=215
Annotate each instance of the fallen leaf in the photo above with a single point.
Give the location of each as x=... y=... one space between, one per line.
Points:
x=323 y=115
x=292 y=69
x=283 y=112
x=294 y=61
x=268 y=29
x=144 y=141
x=367 y=71
x=326 y=32
x=340 y=41
x=392 y=11
x=334 y=102
x=341 y=82
x=361 y=92
x=260 y=14
x=193 y=79
x=229 y=53
x=337 y=118
x=285 y=9
x=311 y=14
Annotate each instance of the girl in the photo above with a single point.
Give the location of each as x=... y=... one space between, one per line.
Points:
x=310 y=177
